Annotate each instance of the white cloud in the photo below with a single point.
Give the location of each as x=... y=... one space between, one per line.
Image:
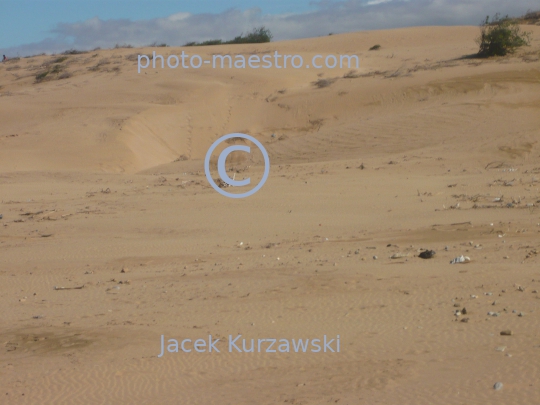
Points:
x=329 y=16
x=179 y=16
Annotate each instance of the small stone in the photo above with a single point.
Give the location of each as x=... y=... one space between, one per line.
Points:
x=488 y=293
x=521 y=314
x=500 y=348
x=375 y=257
x=464 y=311
x=493 y=313
x=498 y=386
x=494 y=303
x=124 y=270
x=357 y=252
x=427 y=254
x=465 y=320
x=506 y=332
x=457 y=305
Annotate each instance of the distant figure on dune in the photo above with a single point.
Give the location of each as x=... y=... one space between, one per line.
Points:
x=4 y=58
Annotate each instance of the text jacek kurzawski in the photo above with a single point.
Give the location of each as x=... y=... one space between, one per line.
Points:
x=242 y=345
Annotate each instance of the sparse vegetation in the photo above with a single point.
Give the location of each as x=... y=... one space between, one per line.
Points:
x=41 y=76
x=321 y=83
x=500 y=36
x=375 y=48
x=155 y=44
x=118 y=46
x=531 y=17
x=102 y=62
x=206 y=43
x=352 y=74
x=134 y=57
x=57 y=69
x=256 y=36
x=72 y=52
x=60 y=59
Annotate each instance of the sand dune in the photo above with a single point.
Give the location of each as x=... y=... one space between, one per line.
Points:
x=421 y=147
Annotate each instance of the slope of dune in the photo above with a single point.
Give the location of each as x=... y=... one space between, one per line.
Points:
x=126 y=121
x=111 y=236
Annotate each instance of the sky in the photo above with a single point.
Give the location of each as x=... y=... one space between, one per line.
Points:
x=29 y=27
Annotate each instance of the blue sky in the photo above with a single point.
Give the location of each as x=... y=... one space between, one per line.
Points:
x=25 y=21
x=29 y=27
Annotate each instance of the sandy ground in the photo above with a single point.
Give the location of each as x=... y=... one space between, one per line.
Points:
x=421 y=148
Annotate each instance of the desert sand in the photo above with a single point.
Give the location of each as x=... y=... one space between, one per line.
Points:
x=102 y=187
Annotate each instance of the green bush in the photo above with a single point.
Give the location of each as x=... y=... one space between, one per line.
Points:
x=500 y=36
x=258 y=35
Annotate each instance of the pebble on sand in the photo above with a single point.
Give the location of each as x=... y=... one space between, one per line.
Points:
x=399 y=255
x=498 y=386
x=461 y=259
x=506 y=332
